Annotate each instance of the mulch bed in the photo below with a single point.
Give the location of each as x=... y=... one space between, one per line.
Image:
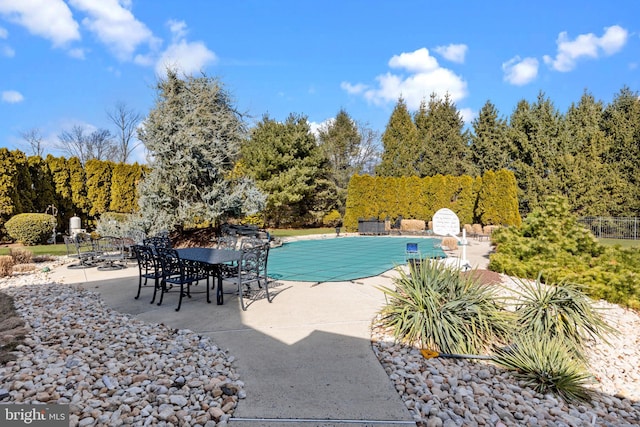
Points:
x=485 y=277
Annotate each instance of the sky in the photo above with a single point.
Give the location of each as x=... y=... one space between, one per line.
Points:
x=69 y=62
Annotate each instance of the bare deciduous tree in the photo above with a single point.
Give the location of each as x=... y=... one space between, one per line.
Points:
x=126 y=121
x=86 y=146
x=368 y=154
x=34 y=138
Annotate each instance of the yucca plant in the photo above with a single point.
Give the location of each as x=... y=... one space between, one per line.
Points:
x=559 y=310
x=437 y=308
x=546 y=365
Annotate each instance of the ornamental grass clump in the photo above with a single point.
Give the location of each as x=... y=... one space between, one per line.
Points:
x=435 y=307
x=561 y=311
x=546 y=365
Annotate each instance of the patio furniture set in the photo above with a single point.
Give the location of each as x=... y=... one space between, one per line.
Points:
x=240 y=260
x=105 y=253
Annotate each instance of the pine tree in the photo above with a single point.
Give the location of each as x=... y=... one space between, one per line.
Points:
x=443 y=143
x=622 y=125
x=288 y=165
x=489 y=140
x=538 y=141
x=591 y=186
x=340 y=143
x=400 y=144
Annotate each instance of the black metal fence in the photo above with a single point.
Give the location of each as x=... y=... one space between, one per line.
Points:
x=609 y=227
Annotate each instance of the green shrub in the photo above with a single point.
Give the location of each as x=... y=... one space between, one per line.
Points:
x=31 y=228
x=553 y=246
x=332 y=219
x=436 y=307
x=546 y=365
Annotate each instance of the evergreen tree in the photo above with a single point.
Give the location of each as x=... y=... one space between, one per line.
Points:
x=62 y=187
x=590 y=185
x=340 y=143
x=193 y=135
x=538 y=141
x=288 y=165
x=42 y=182
x=622 y=125
x=400 y=144
x=77 y=180
x=489 y=140
x=8 y=185
x=124 y=181
x=25 y=194
x=98 y=185
x=443 y=143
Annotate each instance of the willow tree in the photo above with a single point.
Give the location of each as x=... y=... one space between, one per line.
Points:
x=193 y=135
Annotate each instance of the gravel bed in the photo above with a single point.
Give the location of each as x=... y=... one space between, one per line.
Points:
x=111 y=368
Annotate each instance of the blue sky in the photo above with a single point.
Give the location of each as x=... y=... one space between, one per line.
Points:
x=67 y=62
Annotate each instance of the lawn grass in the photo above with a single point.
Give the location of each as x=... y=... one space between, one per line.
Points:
x=55 y=250
x=625 y=243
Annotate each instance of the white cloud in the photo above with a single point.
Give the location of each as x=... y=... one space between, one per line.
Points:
x=315 y=127
x=77 y=53
x=416 y=61
x=519 y=72
x=7 y=51
x=3 y=33
x=586 y=46
x=187 y=57
x=50 y=19
x=453 y=52
x=425 y=77
x=468 y=114
x=353 y=89
x=12 y=97
x=115 y=26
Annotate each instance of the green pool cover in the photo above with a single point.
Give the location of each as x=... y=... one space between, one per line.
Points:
x=344 y=258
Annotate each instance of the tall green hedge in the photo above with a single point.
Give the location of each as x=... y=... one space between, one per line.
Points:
x=474 y=200
x=98 y=185
x=31 y=184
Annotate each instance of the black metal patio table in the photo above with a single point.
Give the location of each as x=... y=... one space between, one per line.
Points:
x=212 y=259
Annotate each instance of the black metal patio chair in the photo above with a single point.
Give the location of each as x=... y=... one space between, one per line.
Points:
x=148 y=268
x=252 y=269
x=178 y=271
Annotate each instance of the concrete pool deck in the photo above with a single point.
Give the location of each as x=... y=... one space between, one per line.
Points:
x=305 y=359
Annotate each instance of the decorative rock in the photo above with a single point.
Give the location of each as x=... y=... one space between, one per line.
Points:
x=101 y=362
x=178 y=400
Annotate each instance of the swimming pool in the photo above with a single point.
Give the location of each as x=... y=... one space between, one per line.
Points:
x=344 y=258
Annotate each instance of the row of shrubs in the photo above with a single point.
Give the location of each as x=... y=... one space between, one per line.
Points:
x=490 y=199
